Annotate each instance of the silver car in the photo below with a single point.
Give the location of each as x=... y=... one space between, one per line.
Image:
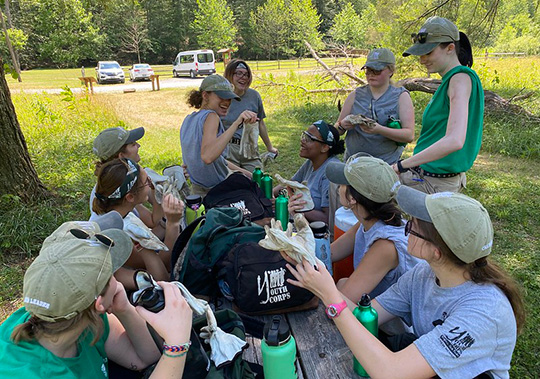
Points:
x=140 y=71
x=109 y=71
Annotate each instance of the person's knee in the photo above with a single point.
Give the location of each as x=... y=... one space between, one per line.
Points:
x=341 y=283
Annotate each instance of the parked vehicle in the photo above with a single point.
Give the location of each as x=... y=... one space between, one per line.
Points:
x=109 y=71
x=193 y=63
x=140 y=71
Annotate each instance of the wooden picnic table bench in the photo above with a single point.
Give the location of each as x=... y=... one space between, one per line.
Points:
x=321 y=350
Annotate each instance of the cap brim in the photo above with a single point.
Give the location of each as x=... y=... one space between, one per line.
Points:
x=421 y=49
x=413 y=202
x=335 y=172
x=121 y=250
x=379 y=66
x=135 y=135
x=109 y=220
x=227 y=95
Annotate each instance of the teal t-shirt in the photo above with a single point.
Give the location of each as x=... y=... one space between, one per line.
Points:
x=435 y=120
x=28 y=359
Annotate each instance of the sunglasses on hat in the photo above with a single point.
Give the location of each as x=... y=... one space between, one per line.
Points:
x=422 y=37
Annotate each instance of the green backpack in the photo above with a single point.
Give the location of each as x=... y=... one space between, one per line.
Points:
x=197 y=256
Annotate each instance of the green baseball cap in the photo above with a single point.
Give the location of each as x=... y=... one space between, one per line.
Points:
x=379 y=59
x=462 y=222
x=111 y=140
x=371 y=177
x=435 y=31
x=221 y=86
x=73 y=267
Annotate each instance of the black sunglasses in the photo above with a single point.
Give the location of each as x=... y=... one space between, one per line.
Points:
x=422 y=37
x=408 y=230
x=81 y=234
x=373 y=72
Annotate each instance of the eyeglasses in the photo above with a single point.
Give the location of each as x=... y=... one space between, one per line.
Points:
x=408 y=230
x=422 y=37
x=370 y=71
x=148 y=182
x=241 y=74
x=105 y=240
x=308 y=137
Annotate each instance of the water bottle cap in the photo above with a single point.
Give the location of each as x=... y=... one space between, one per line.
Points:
x=276 y=332
x=318 y=227
x=193 y=199
x=365 y=301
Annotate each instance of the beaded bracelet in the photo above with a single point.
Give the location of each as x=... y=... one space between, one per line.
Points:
x=182 y=349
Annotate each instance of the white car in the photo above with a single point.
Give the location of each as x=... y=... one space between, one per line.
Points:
x=109 y=71
x=140 y=71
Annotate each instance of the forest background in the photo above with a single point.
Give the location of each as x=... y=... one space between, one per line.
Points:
x=71 y=33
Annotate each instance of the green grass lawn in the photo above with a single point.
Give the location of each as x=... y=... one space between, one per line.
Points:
x=59 y=130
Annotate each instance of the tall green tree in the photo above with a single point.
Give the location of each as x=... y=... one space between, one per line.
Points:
x=348 y=28
x=214 y=25
x=269 y=30
x=304 y=24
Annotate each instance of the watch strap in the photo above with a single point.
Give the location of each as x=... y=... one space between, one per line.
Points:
x=334 y=310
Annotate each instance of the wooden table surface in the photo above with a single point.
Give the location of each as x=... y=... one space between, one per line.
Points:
x=322 y=352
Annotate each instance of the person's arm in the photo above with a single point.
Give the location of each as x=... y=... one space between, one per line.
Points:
x=234 y=168
x=263 y=132
x=346 y=110
x=378 y=260
x=129 y=342
x=344 y=246
x=213 y=145
x=459 y=92
x=406 y=117
x=174 y=211
x=375 y=358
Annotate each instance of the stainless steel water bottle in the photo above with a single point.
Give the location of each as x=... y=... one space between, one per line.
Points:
x=266 y=185
x=282 y=211
x=370 y=319
x=278 y=349
x=322 y=243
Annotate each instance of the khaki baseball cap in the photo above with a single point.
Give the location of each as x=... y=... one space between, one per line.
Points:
x=435 y=31
x=379 y=59
x=221 y=86
x=111 y=140
x=462 y=222
x=73 y=267
x=371 y=177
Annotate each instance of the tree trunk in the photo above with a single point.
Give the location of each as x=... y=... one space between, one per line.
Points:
x=17 y=174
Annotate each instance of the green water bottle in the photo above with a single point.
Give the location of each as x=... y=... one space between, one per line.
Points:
x=266 y=185
x=395 y=124
x=370 y=319
x=278 y=349
x=194 y=208
x=257 y=175
x=282 y=211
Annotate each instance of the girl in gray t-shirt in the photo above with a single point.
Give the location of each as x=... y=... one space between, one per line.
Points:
x=464 y=310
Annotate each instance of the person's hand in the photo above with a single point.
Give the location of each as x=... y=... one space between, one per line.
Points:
x=395 y=168
x=272 y=149
x=345 y=124
x=296 y=203
x=370 y=127
x=172 y=208
x=120 y=302
x=173 y=323
x=317 y=280
x=186 y=174
x=247 y=117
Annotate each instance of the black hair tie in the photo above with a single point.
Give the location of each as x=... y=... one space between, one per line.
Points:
x=480 y=262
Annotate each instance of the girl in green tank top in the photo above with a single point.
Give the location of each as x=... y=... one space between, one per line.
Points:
x=452 y=123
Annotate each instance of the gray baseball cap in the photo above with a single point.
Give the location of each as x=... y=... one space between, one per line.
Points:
x=221 y=86
x=111 y=140
x=435 y=31
x=379 y=59
x=462 y=222
x=371 y=177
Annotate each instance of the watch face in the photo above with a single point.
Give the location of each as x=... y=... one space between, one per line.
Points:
x=331 y=311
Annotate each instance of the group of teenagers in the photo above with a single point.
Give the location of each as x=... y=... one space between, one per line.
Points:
x=460 y=312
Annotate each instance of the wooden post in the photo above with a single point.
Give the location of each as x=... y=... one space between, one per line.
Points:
x=88 y=81
x=155 y=78
x=298 y=62
x=278 y=65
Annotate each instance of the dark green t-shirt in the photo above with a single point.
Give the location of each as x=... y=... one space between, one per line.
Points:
x=435 y=120
x=28 y=359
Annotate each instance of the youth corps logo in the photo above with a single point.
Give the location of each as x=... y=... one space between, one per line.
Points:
x=456 y=341
x=273 y=284
x=242 y=206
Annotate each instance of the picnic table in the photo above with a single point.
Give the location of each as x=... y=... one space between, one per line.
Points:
x=321 y=350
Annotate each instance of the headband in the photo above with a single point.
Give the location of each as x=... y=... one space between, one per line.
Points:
x=241 y=65
x=326 y=134
x=129 y=181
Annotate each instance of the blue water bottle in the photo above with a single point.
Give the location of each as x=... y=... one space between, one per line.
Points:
x=322 y=243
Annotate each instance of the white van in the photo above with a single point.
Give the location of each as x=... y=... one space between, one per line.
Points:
x=193 y=63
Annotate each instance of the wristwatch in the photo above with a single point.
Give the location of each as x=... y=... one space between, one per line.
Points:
x=334 y=310
x=400 y=167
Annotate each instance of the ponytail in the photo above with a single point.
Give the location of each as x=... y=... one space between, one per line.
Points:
x=389 y=213
x=195 y=98
x=463 y=49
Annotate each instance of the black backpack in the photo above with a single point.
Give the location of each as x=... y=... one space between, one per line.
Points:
x=196 y=257
x=257 y=279
x=240 y=192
